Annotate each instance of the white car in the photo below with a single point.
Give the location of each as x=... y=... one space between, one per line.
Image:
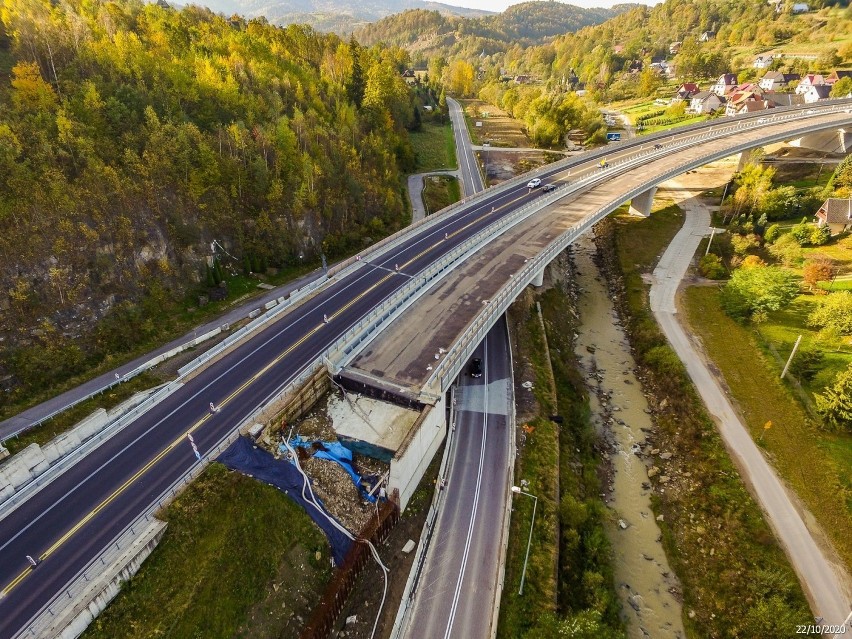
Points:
x=534 y=183
x=762 y=121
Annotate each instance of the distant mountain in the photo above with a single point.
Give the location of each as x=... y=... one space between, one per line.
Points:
x=522 y=24
x=339 y=16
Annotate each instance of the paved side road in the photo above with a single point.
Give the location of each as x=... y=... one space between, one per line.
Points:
x=822 y=581
x=415 y=191
x=460 y=583
x=468 y=166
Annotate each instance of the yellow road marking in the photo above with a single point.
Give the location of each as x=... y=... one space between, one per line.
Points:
x=118 y=491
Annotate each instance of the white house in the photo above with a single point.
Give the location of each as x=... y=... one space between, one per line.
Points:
x=817 y=92
x=801 y=7
x=762 y=62
x=836 y=214
x=724 y=84
x=774 y=80
x=810 y=80
x=705 y=102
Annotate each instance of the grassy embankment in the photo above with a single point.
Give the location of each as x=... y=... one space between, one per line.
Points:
x=440 y=191
x=736 y=579
x=239 y=559
x=817 y=464
x=569 y=575
x=434 y=149
x=64 y=421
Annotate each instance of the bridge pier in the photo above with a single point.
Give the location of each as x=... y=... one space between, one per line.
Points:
x=746 y=157
x=832 y=141
x=538 y=280
x=642 y=203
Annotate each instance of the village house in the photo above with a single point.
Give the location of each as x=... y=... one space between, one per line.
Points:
x=810 y=80
x=674 y=47
x=837 y=74
x=774 y=80
x=762 y=62
x=705 y=102
x=725 y=83
x=685 y=92
x=784 y=99
x=707 y=36
x=748 y=105
x=817 y=92
x=801 y=7
x=836 y=214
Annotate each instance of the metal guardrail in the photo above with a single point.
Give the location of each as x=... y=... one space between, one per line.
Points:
x=27 y=490
x=380 y=248
x=452 y=362
x=447 y=369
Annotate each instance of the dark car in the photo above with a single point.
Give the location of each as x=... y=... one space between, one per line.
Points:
x=475 y=368
x=547 y=188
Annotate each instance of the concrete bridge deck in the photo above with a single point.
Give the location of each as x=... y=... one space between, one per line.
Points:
x=402 y=358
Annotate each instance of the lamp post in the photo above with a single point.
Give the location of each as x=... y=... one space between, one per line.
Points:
x=517 y=490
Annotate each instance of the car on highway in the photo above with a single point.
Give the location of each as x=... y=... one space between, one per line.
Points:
x=475 y=367
x=534 y=183
x=547 y=188
x=762 y=120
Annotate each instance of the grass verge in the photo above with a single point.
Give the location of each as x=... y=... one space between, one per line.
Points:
x=46 y=431
x=239 y=559
x=434 y=147
x=737 y=581
x=816 y=464
x=569 y=579
x=439 y=191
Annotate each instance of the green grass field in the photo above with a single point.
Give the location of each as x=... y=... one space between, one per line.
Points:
x=239 y=559
x=817 y=465
x=434 y=147
x=440 y=191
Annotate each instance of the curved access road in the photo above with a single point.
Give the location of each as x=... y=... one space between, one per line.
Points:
x=816 y=572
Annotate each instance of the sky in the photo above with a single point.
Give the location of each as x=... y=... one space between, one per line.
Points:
x=500 y=5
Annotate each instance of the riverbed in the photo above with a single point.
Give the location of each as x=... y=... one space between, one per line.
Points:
x=646 y=584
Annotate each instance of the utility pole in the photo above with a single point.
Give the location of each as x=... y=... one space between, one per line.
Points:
x=710 y=241
x=790 y=359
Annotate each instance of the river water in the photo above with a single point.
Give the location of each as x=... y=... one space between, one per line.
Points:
x=648 y=588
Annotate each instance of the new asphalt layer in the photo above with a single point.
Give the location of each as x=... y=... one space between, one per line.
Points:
x=70 y=521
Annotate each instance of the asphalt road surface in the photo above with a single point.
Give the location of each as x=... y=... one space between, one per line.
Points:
x=468 y=165
x=816 y=572
x=68 y=522
x=459 y=583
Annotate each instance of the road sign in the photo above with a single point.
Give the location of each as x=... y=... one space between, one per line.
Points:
x=613 y=137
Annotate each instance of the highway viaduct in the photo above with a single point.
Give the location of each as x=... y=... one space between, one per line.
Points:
x=456 y=273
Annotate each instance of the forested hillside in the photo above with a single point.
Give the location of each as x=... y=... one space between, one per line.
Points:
x=338 y=16
x=132 y=136
x=734 y=31
x=519 y=25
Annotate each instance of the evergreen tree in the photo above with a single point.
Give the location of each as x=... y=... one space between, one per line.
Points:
x=357 y=84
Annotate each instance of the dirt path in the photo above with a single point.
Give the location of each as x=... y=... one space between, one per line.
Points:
x=824 y=582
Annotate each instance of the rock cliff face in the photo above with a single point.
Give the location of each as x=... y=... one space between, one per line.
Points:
x=138 y=142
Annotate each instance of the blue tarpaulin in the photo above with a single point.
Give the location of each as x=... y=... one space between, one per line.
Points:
x=244 y=456
x=336 y=452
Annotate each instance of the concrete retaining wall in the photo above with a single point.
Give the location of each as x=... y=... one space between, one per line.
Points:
x=413 y=458
x=73 y=620
x=23 y=467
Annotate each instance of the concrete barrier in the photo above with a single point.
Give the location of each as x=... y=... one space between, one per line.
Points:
x=73 y=619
